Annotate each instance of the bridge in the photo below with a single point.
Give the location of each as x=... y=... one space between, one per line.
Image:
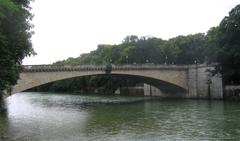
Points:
x=190 y=81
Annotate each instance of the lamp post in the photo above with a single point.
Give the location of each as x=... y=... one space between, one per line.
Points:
x=127 y=59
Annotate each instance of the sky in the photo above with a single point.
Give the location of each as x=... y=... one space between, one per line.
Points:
x=68 y=28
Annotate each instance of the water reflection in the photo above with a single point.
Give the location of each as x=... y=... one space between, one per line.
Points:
x=56 y=117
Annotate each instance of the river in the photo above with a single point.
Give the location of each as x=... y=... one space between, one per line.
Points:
x=69 y=117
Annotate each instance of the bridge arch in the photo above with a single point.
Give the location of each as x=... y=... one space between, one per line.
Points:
x=163 y=78
x=164 y=87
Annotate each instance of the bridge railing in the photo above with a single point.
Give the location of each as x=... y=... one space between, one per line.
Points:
x=39 y=68
x=44 y=68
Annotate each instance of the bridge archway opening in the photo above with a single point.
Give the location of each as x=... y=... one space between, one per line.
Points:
x=164 y=86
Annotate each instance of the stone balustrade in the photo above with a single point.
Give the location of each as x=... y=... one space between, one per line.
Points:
x=48 y=68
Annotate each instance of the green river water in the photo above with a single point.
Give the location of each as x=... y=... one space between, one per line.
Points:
x=68 y=117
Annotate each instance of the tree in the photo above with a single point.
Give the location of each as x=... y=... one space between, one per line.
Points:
x=186 y=49
x=15 y=39
x=224 y=42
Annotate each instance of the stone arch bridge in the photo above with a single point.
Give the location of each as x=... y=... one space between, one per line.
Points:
x=192 y=80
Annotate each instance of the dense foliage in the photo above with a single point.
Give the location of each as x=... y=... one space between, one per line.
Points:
x=15 y=43
x=135 y=50
x=224 y=42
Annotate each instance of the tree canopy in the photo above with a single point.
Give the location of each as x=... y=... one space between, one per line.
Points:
x=15 y=39
x=224 y=46
x=135 y=50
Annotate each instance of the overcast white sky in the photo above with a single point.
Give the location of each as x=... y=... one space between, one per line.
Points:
x=68 y=28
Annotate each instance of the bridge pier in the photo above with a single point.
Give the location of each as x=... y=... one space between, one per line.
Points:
x=202 y=85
